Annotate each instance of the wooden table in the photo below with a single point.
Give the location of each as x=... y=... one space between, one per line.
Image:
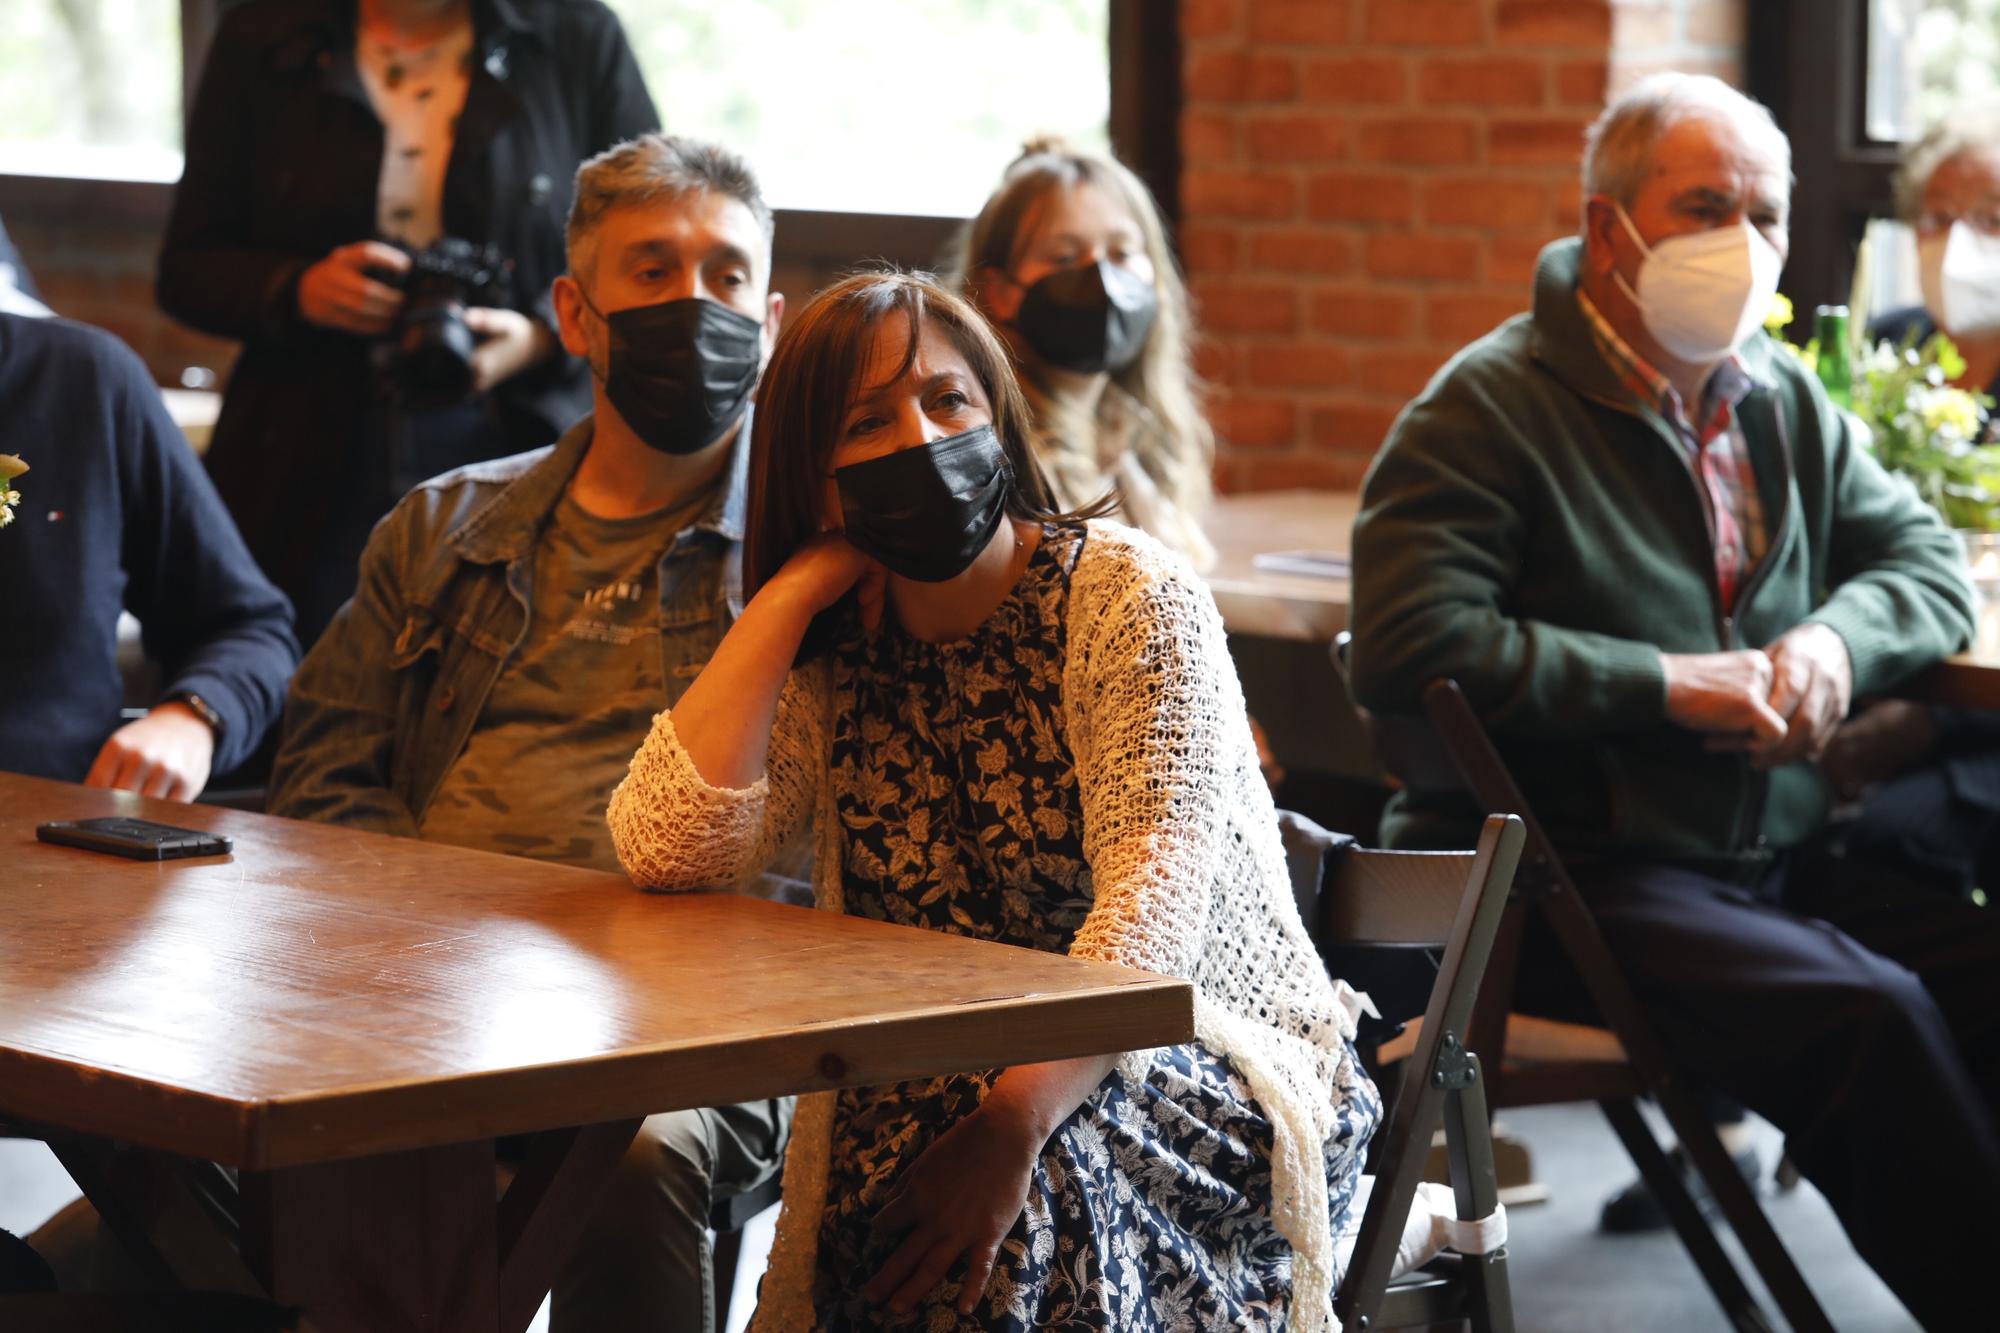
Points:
x=350 y=1020
x=1302 y=608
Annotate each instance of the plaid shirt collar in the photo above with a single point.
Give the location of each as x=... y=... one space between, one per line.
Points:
x=1728 y=386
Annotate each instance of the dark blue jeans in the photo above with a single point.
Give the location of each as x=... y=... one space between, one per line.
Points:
x=1858 y=1013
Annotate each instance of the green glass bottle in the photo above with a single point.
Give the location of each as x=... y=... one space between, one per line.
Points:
x=1836 y=362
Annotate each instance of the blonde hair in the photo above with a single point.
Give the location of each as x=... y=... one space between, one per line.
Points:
x=1162 y=379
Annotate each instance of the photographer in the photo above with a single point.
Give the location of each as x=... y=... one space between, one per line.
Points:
x=330 y=141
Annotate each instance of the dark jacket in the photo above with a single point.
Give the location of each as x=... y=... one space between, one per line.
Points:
x=283 y=156
x=388 y=697
x=1529 y=531
x=115 y=515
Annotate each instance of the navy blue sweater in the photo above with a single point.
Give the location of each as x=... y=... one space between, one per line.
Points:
x=117 y=513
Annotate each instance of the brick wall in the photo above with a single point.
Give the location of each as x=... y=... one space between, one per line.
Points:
x=1366 y=184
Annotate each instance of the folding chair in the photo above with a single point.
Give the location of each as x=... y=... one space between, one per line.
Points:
x=1454 y=752
x=1432 y=900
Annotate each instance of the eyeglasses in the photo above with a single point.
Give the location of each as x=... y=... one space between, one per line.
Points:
x=1984 y=219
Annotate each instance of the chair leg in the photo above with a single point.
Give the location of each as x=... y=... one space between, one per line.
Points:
x=1744 y=1214
x=1742 y=1310
x=1468 y=1140
x=724 y=1257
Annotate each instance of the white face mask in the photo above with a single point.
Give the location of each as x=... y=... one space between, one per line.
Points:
x=1703 y=293
x=1960 y=271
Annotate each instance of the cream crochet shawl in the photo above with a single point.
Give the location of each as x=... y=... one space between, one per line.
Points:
x=1188 y=872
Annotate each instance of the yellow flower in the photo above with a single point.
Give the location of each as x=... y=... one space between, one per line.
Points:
x=11 y=467
x=1951 y=410
x=1779 y=315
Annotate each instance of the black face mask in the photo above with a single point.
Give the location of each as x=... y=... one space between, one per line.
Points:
x=680 y=372
x=1089 y=320
x=927 y=513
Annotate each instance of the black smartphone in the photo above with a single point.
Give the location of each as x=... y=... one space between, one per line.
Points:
x=139 y=839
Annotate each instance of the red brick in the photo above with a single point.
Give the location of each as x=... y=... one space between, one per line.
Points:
x=1302 y=250
x=1351 y=427
x=1209 y=18
x=1481 y=201
x=1297 y=366
x=1243 y=307
x=1208 y=247
x=1716 y=22
x=1363 y=313
x=1356 y=81
x=1304 y=472
x=1535 y=142
x=1349 y=196
x=1239 y=194
x=1208 y=136
x=1554 y=23
x=1418 y=142
x=1426 y=22
x=1481 y=81
x=1298 y=22
x=1401 y=372
x=1459 y=319
x=1423 y=258
x=1297 y=138
x=1235 y=76
x=1215 y=360
x=1511 y=259
x=1248 y=422
x=1582 y=82
x=1569 y=205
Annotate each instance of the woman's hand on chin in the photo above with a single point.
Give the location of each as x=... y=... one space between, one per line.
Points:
x=958 y=1199
x=820 y=573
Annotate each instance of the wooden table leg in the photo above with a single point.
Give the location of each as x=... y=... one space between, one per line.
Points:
x=543 y=1210
x=396 y=1243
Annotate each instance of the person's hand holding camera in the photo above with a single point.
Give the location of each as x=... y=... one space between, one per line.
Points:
x=509 y=342
x=339 y=293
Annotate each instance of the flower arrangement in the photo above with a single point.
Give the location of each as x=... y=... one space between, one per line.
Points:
x=1919 y=425
x=10 y=467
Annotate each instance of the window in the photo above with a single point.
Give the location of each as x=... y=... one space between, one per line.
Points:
x=876 y=106
x=93 y=89
x=1851 y=81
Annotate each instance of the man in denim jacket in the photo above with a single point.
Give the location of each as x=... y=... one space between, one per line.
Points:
x=518 y=623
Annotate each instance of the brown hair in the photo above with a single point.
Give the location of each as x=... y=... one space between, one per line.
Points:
x=1163 y=378
x=650 y=168
x=811 y=381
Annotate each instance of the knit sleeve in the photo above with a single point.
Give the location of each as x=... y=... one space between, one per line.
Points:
x=1151 y=694
x=674 y=830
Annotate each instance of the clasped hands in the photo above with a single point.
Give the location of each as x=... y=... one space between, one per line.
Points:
x=1777 y=705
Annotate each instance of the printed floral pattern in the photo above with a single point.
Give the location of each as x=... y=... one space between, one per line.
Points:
x=959 y=810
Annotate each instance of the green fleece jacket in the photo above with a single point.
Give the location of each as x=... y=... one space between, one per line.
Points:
x=1531 y=532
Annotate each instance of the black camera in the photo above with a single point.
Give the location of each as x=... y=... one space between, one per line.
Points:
x=429 y=348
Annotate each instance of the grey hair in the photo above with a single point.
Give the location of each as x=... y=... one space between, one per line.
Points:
x=654 y=167
x=1618 y=150
x=1968 y=127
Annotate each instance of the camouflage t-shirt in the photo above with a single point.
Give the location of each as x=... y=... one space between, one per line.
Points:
x=571 y=706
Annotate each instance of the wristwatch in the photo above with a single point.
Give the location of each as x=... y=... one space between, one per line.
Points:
x=202 y=708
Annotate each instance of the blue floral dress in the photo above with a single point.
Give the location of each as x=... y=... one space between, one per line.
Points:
x=958 y=810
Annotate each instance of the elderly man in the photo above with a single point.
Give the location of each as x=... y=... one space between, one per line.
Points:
x=1661 y=566
x=518 y=623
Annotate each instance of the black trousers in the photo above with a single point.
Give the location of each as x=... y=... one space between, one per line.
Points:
x=1858 y=1013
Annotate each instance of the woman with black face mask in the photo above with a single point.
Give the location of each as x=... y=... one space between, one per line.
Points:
x=1069 y=260
x=999 y=720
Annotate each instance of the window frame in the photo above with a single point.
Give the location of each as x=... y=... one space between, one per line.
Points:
x=1798 y=50
x=1145 y=119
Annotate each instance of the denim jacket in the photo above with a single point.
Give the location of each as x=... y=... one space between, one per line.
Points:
x=386 y=700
